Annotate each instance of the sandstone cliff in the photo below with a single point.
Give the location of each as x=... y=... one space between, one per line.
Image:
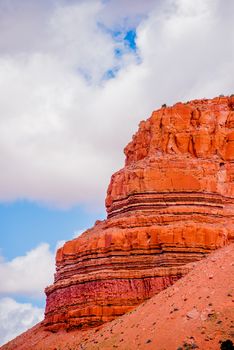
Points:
x=170 y=205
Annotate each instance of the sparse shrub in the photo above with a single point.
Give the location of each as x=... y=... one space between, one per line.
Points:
x=227 y=345
x=148 y=341
x=188 y=346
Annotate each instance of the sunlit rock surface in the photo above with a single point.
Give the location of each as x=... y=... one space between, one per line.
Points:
x=170 y=205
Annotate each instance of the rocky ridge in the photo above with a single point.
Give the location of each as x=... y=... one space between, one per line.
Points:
x=172 y=204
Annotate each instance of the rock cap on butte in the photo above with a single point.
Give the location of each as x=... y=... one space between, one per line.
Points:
x=171 y=204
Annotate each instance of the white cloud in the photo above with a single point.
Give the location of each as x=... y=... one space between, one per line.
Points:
x=28 y=275
x=25 y=276
x=16 y=318
x=62 y=128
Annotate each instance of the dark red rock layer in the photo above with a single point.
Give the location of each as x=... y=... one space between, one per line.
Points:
x=171 y=204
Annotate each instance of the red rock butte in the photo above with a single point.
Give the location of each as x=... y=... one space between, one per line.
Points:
x=172 y=204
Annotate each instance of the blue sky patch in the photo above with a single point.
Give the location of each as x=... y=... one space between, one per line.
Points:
x=130 y=39
x=24 y=225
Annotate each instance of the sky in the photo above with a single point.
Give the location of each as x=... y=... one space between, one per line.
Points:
x=76 y=78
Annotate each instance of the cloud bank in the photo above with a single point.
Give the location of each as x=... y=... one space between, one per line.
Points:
x=72 y=91
x=25 y=276
x=16 y=318
x=28 y=275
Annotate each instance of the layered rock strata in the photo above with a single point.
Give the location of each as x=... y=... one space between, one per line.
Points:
x=171 y=204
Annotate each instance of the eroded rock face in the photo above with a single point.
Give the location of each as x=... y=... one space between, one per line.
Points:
x=171 y=204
